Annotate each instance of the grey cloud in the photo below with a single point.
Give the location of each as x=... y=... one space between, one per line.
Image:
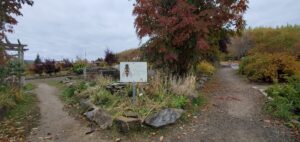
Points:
x=273 y=13
x=67 y=28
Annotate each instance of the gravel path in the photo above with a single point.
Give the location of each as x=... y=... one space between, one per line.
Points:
x=56 y=124
x=234 y=114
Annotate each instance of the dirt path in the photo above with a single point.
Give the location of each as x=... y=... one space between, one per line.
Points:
x=56 y=124
x=234 y=115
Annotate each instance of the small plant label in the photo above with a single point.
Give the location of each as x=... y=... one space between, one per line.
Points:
x=133 y=72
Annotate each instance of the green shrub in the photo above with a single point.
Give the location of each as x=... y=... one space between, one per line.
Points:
x=286 y=99
x=205 y=67
x=269 y=67
x=179 y=102
x=68 y=92
x=103 y=98
x=280 y=107
x=79 y=65
x=82 y=86
x=198 y=101
x=15 y=68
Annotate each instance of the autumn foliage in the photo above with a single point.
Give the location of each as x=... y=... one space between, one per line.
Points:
x=270 y=67
x=110 y=57
x=276 y=40
x=9 y=9
x=181 y=29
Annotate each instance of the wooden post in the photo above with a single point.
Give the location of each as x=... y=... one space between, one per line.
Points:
x=19 y=48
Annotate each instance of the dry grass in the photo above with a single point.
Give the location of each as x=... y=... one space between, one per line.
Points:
x=183 y=85
x=130 y=55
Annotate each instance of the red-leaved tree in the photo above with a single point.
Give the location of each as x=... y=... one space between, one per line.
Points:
x=180 y=30
x=9 y=9
x=110 y=57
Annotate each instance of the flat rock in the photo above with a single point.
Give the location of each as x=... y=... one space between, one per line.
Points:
x=115 y=87
x=164 y=117
x=86 y=105
x=130 y=114
x=102 y=118
x=125 y=124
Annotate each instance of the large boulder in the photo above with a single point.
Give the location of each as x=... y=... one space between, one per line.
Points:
x=125 y=124
x=86 y=105
x=99 y=116
x=164 y=117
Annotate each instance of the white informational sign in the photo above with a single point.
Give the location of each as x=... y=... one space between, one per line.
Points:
x=133 y=72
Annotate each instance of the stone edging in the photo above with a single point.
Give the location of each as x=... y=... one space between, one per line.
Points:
x=262 y=91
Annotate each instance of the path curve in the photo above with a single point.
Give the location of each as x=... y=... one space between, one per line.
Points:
x=234 y=114
x=55 y=124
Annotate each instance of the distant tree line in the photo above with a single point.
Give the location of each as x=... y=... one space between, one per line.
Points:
x=50 y=66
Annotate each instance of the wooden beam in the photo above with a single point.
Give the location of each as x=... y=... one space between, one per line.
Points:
x=14 y=49
x=12 y=45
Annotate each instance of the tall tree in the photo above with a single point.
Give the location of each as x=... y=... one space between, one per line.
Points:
x=37 y=60
x=38 y=66
x=180 y=30
x=9 y=9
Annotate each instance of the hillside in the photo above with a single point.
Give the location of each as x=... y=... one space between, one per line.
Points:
x=130 y=55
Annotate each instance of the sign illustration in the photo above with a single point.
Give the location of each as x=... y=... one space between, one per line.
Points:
x=133 y=72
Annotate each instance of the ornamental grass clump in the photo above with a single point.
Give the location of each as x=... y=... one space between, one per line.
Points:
x=185 y=86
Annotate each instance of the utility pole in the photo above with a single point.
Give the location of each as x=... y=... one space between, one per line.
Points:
x=84 y=69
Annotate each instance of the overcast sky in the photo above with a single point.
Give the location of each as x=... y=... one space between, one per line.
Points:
x=67 y=28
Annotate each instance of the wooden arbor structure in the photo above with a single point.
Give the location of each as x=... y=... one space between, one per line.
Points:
x=10 y=47
x=14 y=52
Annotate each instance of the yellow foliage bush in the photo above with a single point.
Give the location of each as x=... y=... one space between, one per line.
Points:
x=276 y=40
x=205 y=67
x=269 y=67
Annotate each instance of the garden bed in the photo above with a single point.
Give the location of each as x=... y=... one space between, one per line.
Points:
x=160 y=102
